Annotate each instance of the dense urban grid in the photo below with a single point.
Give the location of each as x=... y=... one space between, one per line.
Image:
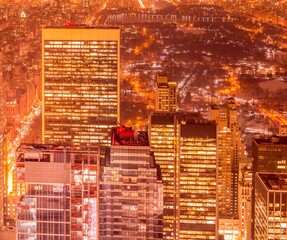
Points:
x=142 y=119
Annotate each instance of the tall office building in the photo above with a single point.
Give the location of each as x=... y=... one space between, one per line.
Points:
x=230 y=153
x=58 y=190
x=80 y=84
x=131 y=189
x=163 y=135
x=184 y=145
x=270 y=220
x=165 y=94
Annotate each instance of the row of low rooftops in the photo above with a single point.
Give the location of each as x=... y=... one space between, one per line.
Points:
x=122 y=135
x=192 y=125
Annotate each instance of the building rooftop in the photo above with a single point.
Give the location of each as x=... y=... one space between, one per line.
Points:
x=163 y=118
x=198 y=128
x=274 y=140
x=230 y=103
x=168 y=117
x=163 y=85
x=192 y=123
x=126 y=136
x=190 y=117
x=274 y=181
x=31 y=148
x=54 y=147
x=216 y=107
x=78 y=26
x=164 y=81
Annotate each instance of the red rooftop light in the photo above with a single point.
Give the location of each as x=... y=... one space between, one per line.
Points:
x=69 y=24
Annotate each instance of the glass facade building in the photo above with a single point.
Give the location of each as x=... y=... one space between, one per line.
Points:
x=80 y=72
x=131 y=189
x=58 y=194
x=184 y=145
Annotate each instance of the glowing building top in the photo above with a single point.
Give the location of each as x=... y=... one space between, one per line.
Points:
x=126 y=136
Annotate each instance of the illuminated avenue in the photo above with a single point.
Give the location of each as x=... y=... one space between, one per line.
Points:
x=213 y=50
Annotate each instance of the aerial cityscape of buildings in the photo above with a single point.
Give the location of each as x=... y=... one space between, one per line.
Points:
x=143 y=120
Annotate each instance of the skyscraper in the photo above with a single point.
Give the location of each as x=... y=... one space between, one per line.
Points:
x=230 y=153
x=270 y=206
x=269 y=155
x=80 y=84
x=163 y=136
x=184 y=146
x=58 y=191
x=131 y=189
x=165 y=94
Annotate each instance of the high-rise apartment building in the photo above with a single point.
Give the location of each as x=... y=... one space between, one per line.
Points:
x=80 y=84
x=165 y=94
x=58 y=190
x=230 y=153
x=184 y=145
x=270 y=220
x=131 y=189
